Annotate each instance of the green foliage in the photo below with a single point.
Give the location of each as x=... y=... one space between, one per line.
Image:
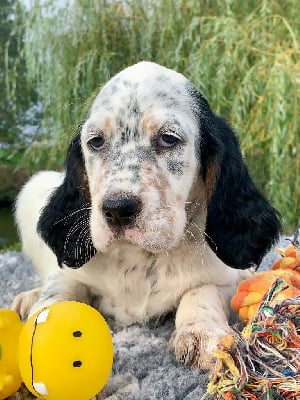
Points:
x=12 y=247
x=244 y=57
x=16 y=95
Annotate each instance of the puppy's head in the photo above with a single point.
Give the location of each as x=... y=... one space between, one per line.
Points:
x=150 y=160
x=139 y=150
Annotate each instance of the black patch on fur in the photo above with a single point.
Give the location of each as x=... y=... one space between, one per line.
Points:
x=62 y=225
x=175 y=167
x=241 y=224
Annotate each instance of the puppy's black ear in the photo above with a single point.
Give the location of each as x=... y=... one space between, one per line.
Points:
x=64 y=221
x=241 y=225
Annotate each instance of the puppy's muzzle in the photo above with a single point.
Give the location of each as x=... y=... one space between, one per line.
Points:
x=120 y=211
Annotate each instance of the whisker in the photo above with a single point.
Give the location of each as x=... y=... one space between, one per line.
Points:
x=203 y=233
x=72 y=213
x=79 y=224
x=83 y=243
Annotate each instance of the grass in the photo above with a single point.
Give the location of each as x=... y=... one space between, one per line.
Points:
x=244 y=57
x=11 y=247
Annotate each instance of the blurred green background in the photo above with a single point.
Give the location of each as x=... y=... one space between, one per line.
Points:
x=242 y=55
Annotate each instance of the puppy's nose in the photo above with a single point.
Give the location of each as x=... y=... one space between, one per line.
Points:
x=120 y=211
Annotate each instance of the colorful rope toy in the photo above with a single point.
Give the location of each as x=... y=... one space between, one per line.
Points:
x=251 y=291
x=263 y=361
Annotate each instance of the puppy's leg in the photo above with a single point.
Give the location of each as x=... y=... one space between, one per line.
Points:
x=59 y=287
x=24 y=301
x=201 y=320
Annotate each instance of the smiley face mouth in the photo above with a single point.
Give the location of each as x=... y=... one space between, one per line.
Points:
x=39 y=387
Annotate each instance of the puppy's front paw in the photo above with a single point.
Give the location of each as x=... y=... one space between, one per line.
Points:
x=23 y=302
x=194 y=345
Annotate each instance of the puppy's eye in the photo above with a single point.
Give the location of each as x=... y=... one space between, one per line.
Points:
x=167 y=141
x=96 y=143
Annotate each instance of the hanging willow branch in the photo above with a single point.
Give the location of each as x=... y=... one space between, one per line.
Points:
x=245 y=59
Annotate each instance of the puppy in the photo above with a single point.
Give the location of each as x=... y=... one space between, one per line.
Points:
x=155 y=212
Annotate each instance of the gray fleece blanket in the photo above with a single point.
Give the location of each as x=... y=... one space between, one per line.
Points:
x=144 y=366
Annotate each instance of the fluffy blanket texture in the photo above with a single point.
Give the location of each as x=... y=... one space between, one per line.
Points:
x=144 y=366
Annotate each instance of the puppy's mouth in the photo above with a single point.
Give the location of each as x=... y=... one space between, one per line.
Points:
x=135 y=236
x=151 y=231
x=130 y=234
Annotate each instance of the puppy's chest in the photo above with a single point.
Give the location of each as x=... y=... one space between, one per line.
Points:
x=136 y=288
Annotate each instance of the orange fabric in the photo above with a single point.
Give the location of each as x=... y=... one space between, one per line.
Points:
x=251 y=291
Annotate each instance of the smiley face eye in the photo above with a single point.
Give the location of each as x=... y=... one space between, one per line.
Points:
x=77 y=363
x=77 y=334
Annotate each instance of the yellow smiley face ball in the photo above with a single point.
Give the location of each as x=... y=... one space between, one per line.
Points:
x=10 y=328
x=65 y=352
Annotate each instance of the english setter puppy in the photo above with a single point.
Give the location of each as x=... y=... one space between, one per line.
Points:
x=155 y=212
